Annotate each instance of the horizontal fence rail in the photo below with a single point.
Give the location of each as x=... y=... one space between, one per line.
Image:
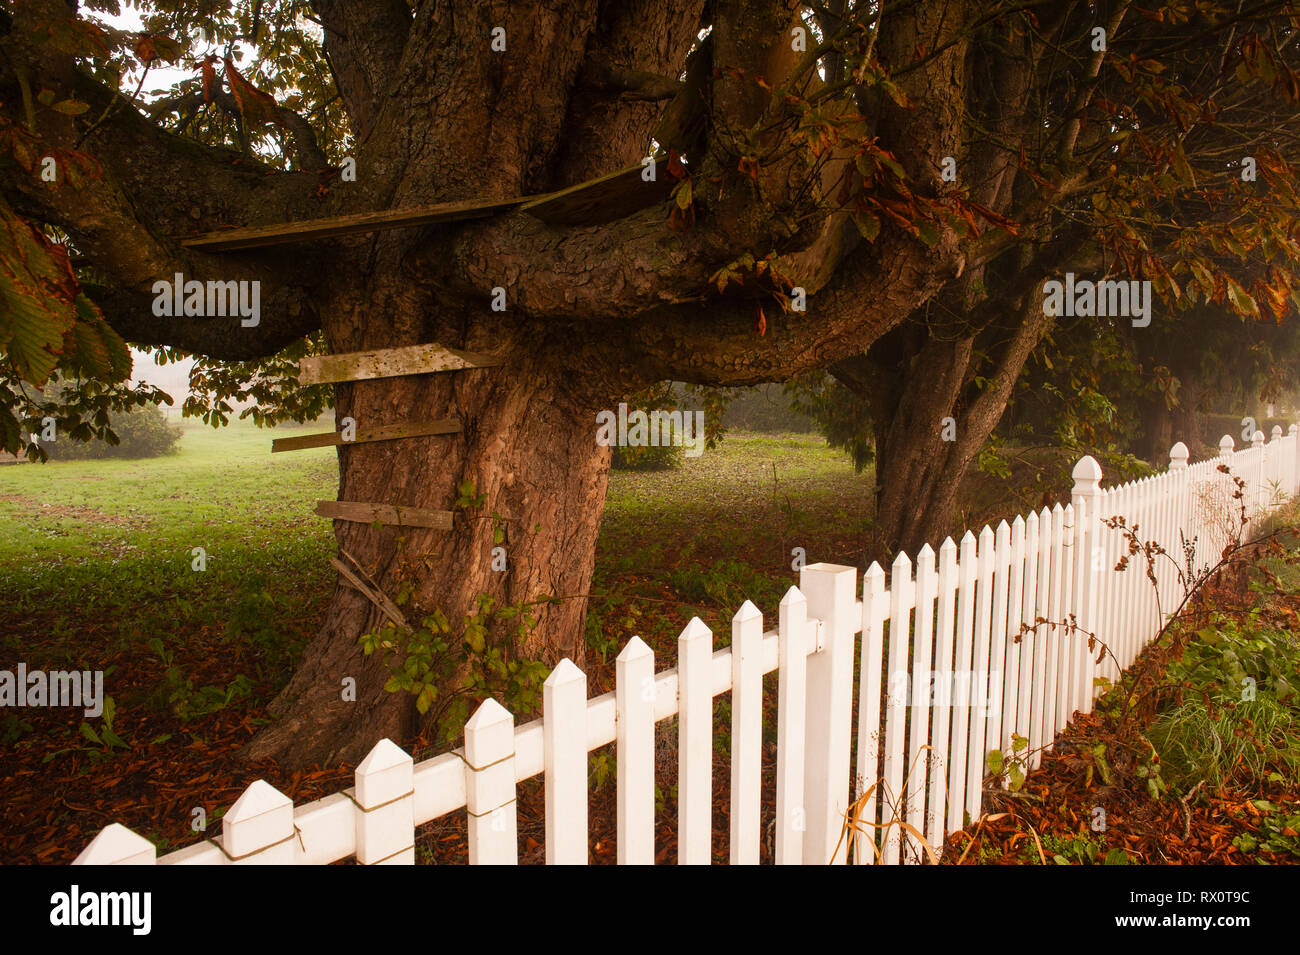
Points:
x=981 y=646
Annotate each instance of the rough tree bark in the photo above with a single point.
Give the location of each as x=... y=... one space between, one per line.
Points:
x=595 y=312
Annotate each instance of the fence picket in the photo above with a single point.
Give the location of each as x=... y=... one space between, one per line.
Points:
x=868 y=776
x=920 y=703
x=791 y=717
x=894 y=810
x=941 y=710
x=998 y=640
x=634 y=703
x=980 y=701
x=490 y=786
x=564 y=729
x=962 y=681
x=695 y=745
x=746 y=732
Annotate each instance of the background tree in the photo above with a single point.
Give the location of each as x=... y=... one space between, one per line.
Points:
x=1163 y=166
x=804 y=148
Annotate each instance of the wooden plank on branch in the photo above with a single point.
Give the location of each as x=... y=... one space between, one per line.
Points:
x=253 y=237
x=388 y=432
x=388 y=363
x=605 y=198
x=364 y=513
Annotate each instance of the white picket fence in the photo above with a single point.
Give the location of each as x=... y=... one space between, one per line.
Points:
x=929 y=707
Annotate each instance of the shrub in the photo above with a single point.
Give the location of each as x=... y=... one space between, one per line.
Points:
x=143 y=433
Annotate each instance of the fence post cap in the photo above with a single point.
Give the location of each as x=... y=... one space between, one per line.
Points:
x=1178 y=456
x=1226 y=443
x=1257 y=439
x=1087 y=474
x=117 y=845
x=1277 y=432
x=1293 y=429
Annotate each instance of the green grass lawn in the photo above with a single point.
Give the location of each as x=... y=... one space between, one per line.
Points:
x=112 y=541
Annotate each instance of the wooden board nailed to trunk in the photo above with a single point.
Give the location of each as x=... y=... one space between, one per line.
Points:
x=388 y=363
x=388 y=432
x=364 y=513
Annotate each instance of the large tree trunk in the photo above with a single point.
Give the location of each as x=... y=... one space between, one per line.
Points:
x=528 y=448
x=931 y=422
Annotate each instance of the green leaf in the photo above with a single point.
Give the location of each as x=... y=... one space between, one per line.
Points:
x=928 y=233
x=88 y=732
x=1116 y=857
x=994 y=760
x=867 y=224
x=70 y=107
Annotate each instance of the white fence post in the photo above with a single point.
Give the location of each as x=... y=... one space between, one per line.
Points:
x=117 y=845
x=634 y=705
x=1085 y=497
x=258 y=828
x=385 y=798
x=564 y=744
x=791 y=718
x=829 y=589
x=695 y=744
x=746 y=733
x=490 y=786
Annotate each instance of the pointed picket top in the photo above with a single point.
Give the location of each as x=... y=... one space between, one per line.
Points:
x=1004 y=531
x=260 y=818
x=1031 y=522
x=489 y=734
x=902 y=565
x=258 y=799
x=387 y=773
x=1018 y=525
x=968 y=536
x=925 y=554
x=637 y=649
x=697 y=629
x=117 y=845
x=986 y=537
x=948 y=552
x=566 y=672
x=1257 y=439
x=1086 y=474
x=1058 y=508
x=792 y=597
x=1045 y=515
x=747 y=612
x=875 y=571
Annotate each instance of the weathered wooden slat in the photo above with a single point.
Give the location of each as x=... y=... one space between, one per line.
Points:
x=364 y=513
x=253 y=237
x=388 y=432
x=388 y=363
x=603 y=199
